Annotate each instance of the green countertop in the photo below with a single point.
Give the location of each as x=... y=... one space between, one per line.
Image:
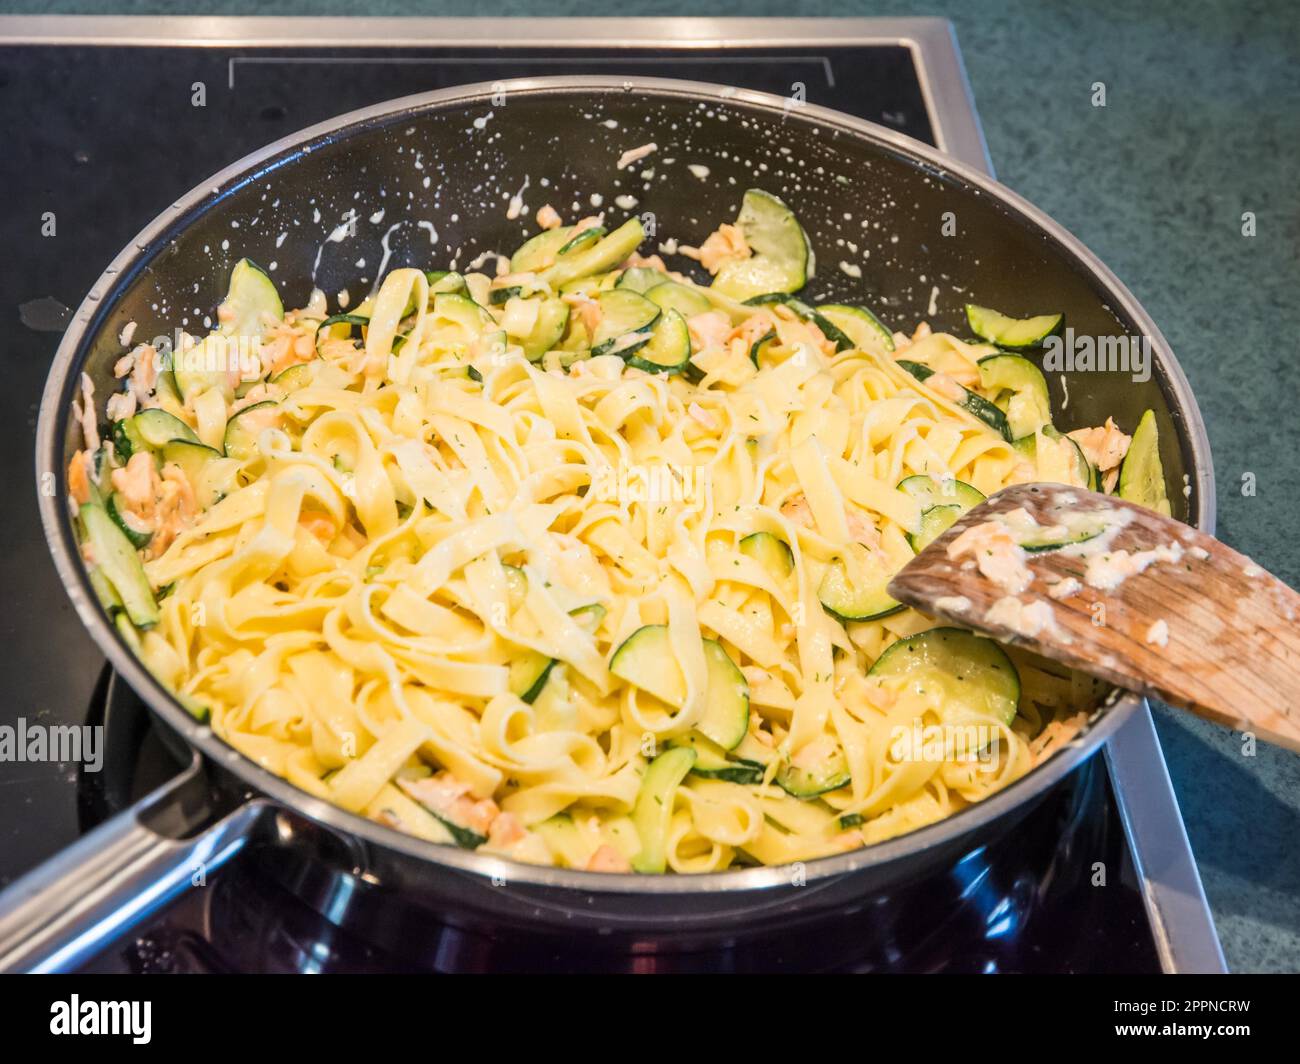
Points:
x=1202 y=124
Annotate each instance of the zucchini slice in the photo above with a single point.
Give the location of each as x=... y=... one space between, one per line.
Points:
x=641 y=279
x=243 y=429
x=446 y=281
x=325 y=330
x=604 y=255
x=625 y=322
x=653 y=812
x=934 y=523
x=1029 y=408
x=117 y=561
x=832 y=332
x=582 y=240
x=941 y=491
x=756 y=348
x=781 y=256
x=817 y=768
x=294 y=378
x=645 y=660
x=250 y=301
x=498 y=296
x=1142 y=476
x=772 y=553
x=684 y=299
x=853 y=587
x=669 y=349
x=725 y=720
x=529 y=673
x=465 y=837
x=589 y=286
x=191 y=457
x=1078 y=531
x=463 y=311
x=974 y=404
x=148 y=431
x=1062 y=463
x=712 y=762
x=552 y=321
x=139 y=537
x=540 y=251
x=971 y=673
x=943 y=500
x=1012 y=333
x=864 y=329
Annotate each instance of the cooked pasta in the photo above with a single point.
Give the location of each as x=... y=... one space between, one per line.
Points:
x=493 y=562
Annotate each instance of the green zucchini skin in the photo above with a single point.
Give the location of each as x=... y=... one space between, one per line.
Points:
x=113 y=505
x=829 y=774
x=848 y=602
x=625 y=324
x=860 y=325
x=781 y=252
x=1014 y=334
x=645 y=660
x=1029 y=407
x=669 y=347
x=973 y=404
x=1142 y=475
x=769 y=551
x=652 y=814
x=989 y=680
x=116 y=559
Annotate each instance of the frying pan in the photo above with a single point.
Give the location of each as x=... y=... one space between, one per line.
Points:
x=929 y=235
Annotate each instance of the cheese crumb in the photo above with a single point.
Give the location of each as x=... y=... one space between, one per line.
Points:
x=632 y=155
x=1028 y=621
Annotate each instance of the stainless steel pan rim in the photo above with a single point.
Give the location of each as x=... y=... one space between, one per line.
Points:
x=58 y=528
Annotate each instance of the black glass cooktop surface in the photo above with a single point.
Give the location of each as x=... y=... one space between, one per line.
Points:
x=120 y=137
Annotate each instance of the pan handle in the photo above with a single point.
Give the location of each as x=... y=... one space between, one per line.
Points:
x=63 y=912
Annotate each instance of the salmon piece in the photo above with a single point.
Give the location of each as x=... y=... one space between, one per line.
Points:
x=1104 y=446
x=753 y=328
x=446 y=796
x=138 y=483
x=863 y=530
x=725 y=244
x=651 y=262
x=175 y=510
x=79 y=478
x=946 y=386
x=317 y=525
x=709 y=329
x=548 y=217
x=589 y=313
x=505 y=831
x=997 y=554
x=608 y=858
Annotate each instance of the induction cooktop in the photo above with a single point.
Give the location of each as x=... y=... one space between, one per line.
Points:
x=134 y=112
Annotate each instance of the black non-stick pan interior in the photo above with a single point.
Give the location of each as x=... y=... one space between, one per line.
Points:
x=432 y=187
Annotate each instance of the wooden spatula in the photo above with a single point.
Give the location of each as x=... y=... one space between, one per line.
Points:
x=1201 y=626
